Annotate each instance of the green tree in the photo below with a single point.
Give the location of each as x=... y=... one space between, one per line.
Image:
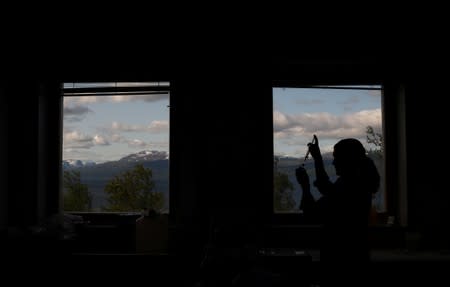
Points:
x=375 y=139
x=133 y=191
x=283 y=194
x=76 y=196
x=376 y=154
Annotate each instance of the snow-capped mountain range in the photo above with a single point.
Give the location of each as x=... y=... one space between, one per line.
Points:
x=77 y=163
x=145 y=155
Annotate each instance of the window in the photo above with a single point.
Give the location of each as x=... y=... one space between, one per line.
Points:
x=332 y=113
x=116 y=146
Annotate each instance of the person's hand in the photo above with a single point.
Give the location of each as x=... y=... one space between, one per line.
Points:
x=313 y=148
x=302 y=176
x=303 y=179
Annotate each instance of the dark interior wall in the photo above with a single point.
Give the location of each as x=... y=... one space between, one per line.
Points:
x=22 y=152
x=49 y=149
x=234 y=168
x=3 y=160
x=221 y=146
x=222 y=159
x=33 y=151
x=394 y=150
x=428 y=196
x=415 y=122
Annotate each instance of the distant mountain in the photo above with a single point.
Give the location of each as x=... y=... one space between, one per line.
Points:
x=146 y=155
x=142 y=156
x=96 y=176
x=73 y=163
x=286 y=160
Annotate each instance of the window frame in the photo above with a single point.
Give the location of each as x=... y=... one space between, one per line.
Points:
x=112 y=91
x=395 y=201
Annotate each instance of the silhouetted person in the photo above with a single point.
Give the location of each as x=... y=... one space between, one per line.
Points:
x=343 y=210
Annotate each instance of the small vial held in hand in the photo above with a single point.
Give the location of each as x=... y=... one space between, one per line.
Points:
x=307 y=153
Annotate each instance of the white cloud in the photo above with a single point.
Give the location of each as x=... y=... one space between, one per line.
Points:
x=326 y=125
x=158 y=126
x=117 y=138
x=76 y=136
x=153 y=127
x=280 y=121
x=76 y=139
x=134 y=98
x=114 y=99
x=120 y=127
x=136 y=143
x=81 y=100
x=75 y=112
x=99 y=140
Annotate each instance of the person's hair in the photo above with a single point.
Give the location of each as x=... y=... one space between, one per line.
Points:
x=370 y=174
x=350 y=148
x=353 y=152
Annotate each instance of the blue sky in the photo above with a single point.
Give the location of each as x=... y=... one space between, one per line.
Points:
x=104 y=128
x=331 y=114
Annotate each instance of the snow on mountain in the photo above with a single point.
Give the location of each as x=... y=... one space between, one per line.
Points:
x=146 y=155
x=72 y=163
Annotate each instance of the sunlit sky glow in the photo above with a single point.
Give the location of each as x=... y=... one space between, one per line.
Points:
x=104 y=128
x=331 y=114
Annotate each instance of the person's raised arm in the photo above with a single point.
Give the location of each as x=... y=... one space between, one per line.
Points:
x=308 y=201
x=312 y=209
x=322 y=181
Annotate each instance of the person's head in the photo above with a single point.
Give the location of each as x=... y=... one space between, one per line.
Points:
x=350 y=160
x=348 y=154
